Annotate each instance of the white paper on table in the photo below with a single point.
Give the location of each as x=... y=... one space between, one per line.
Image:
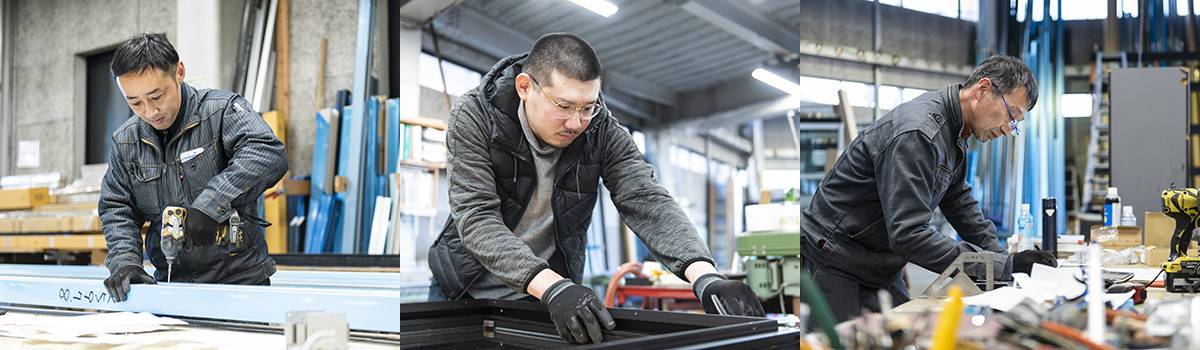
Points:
x=88 y=325
x=1054 y=282
x=1002 y=299
x=1115 y=300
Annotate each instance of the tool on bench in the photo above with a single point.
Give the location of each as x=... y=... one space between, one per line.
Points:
x=1183 y=271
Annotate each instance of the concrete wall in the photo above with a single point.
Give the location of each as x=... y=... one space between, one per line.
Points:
x=48 y=38
x=312 y=20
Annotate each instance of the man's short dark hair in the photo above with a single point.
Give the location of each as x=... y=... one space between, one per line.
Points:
x=567 y=53
x=144 y=51
x=1007 y=73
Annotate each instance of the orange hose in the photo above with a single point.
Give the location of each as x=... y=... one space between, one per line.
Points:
x=1073 y=334
x=611 y=293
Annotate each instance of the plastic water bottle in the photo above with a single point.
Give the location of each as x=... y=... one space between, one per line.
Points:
x=1127 y=218
x=1025 y=229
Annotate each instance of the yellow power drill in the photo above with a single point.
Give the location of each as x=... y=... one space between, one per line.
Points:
x=1183 y=271
x=172 y=234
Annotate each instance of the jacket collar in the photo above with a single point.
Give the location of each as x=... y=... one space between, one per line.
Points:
x=954 y=117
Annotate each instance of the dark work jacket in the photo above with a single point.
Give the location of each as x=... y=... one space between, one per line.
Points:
x=241 y=158
x=872 y=211
x=492 y=177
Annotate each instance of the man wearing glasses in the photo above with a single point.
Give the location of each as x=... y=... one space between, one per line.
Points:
x=872 y=212
x=528 y=148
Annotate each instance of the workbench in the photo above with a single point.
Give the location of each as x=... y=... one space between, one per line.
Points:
x=370 y=302
x=194 y=336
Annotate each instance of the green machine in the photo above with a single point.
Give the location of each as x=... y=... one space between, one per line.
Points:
x=773 y=262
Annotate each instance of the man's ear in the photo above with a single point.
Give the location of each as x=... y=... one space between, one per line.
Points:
x=180 y=72
x=523 y=83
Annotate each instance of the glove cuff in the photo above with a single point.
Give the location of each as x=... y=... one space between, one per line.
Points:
x=556 y=289
x=703 y=281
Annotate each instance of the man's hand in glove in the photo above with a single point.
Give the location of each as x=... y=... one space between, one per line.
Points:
x=735 y=297
x=199 y=228
x=578 y=315
x=118 y=282
x=1022 y=261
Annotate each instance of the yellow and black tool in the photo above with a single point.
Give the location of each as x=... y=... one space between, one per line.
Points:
x=172 y=235
x=1183 y=271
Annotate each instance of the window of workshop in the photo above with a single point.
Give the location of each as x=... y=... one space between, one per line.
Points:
x=908 y=94
x=459 y=79
x=1088 y=9
x=889 y=97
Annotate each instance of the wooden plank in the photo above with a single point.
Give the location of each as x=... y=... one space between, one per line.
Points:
x=423 y=121
x=275 y=212
x=321 y=74
x=422 y=164
x=24 y=198
x=296 y=187
x=67 y=207
x=283 y=94
x=33 y=243
x=44 y=224
x=846 y=111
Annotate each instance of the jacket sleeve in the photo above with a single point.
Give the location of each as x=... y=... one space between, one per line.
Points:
x=962 y=211
x=906 y=168
x=119 y=216
x=646 y=206
x=257 y=161
x=475 y=203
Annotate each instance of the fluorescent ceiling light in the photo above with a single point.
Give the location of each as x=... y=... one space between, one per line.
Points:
x=1075 y=105
x=776 y=81
x=600 y=7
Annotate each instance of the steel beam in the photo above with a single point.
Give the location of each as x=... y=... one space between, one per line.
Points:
x=743 y=21
x=367 y=310
x=421 y=11
x=480 y=32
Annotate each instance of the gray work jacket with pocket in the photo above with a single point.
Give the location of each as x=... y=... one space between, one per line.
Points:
x=871 y=215
x=238 y=158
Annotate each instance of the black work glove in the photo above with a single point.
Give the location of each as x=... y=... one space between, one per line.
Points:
x=118 y=282
x=577 y=313
x=199 y=228
x=1022 y=261
x=736 y=297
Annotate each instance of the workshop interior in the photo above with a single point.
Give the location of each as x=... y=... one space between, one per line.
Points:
x=599 y=174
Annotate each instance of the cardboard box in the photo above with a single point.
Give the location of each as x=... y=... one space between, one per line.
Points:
x=1159 y=229
x=24 y=198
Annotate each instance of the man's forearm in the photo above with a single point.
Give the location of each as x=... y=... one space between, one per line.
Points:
x=542 y=281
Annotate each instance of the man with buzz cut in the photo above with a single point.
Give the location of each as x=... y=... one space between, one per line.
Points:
x=527 y=150
x=201 y=149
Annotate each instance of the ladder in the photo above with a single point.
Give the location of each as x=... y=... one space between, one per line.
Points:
x=1096 y=175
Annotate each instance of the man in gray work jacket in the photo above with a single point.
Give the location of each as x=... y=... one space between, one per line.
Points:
x=204 y=150
x=527 y=150
x=871 y=214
